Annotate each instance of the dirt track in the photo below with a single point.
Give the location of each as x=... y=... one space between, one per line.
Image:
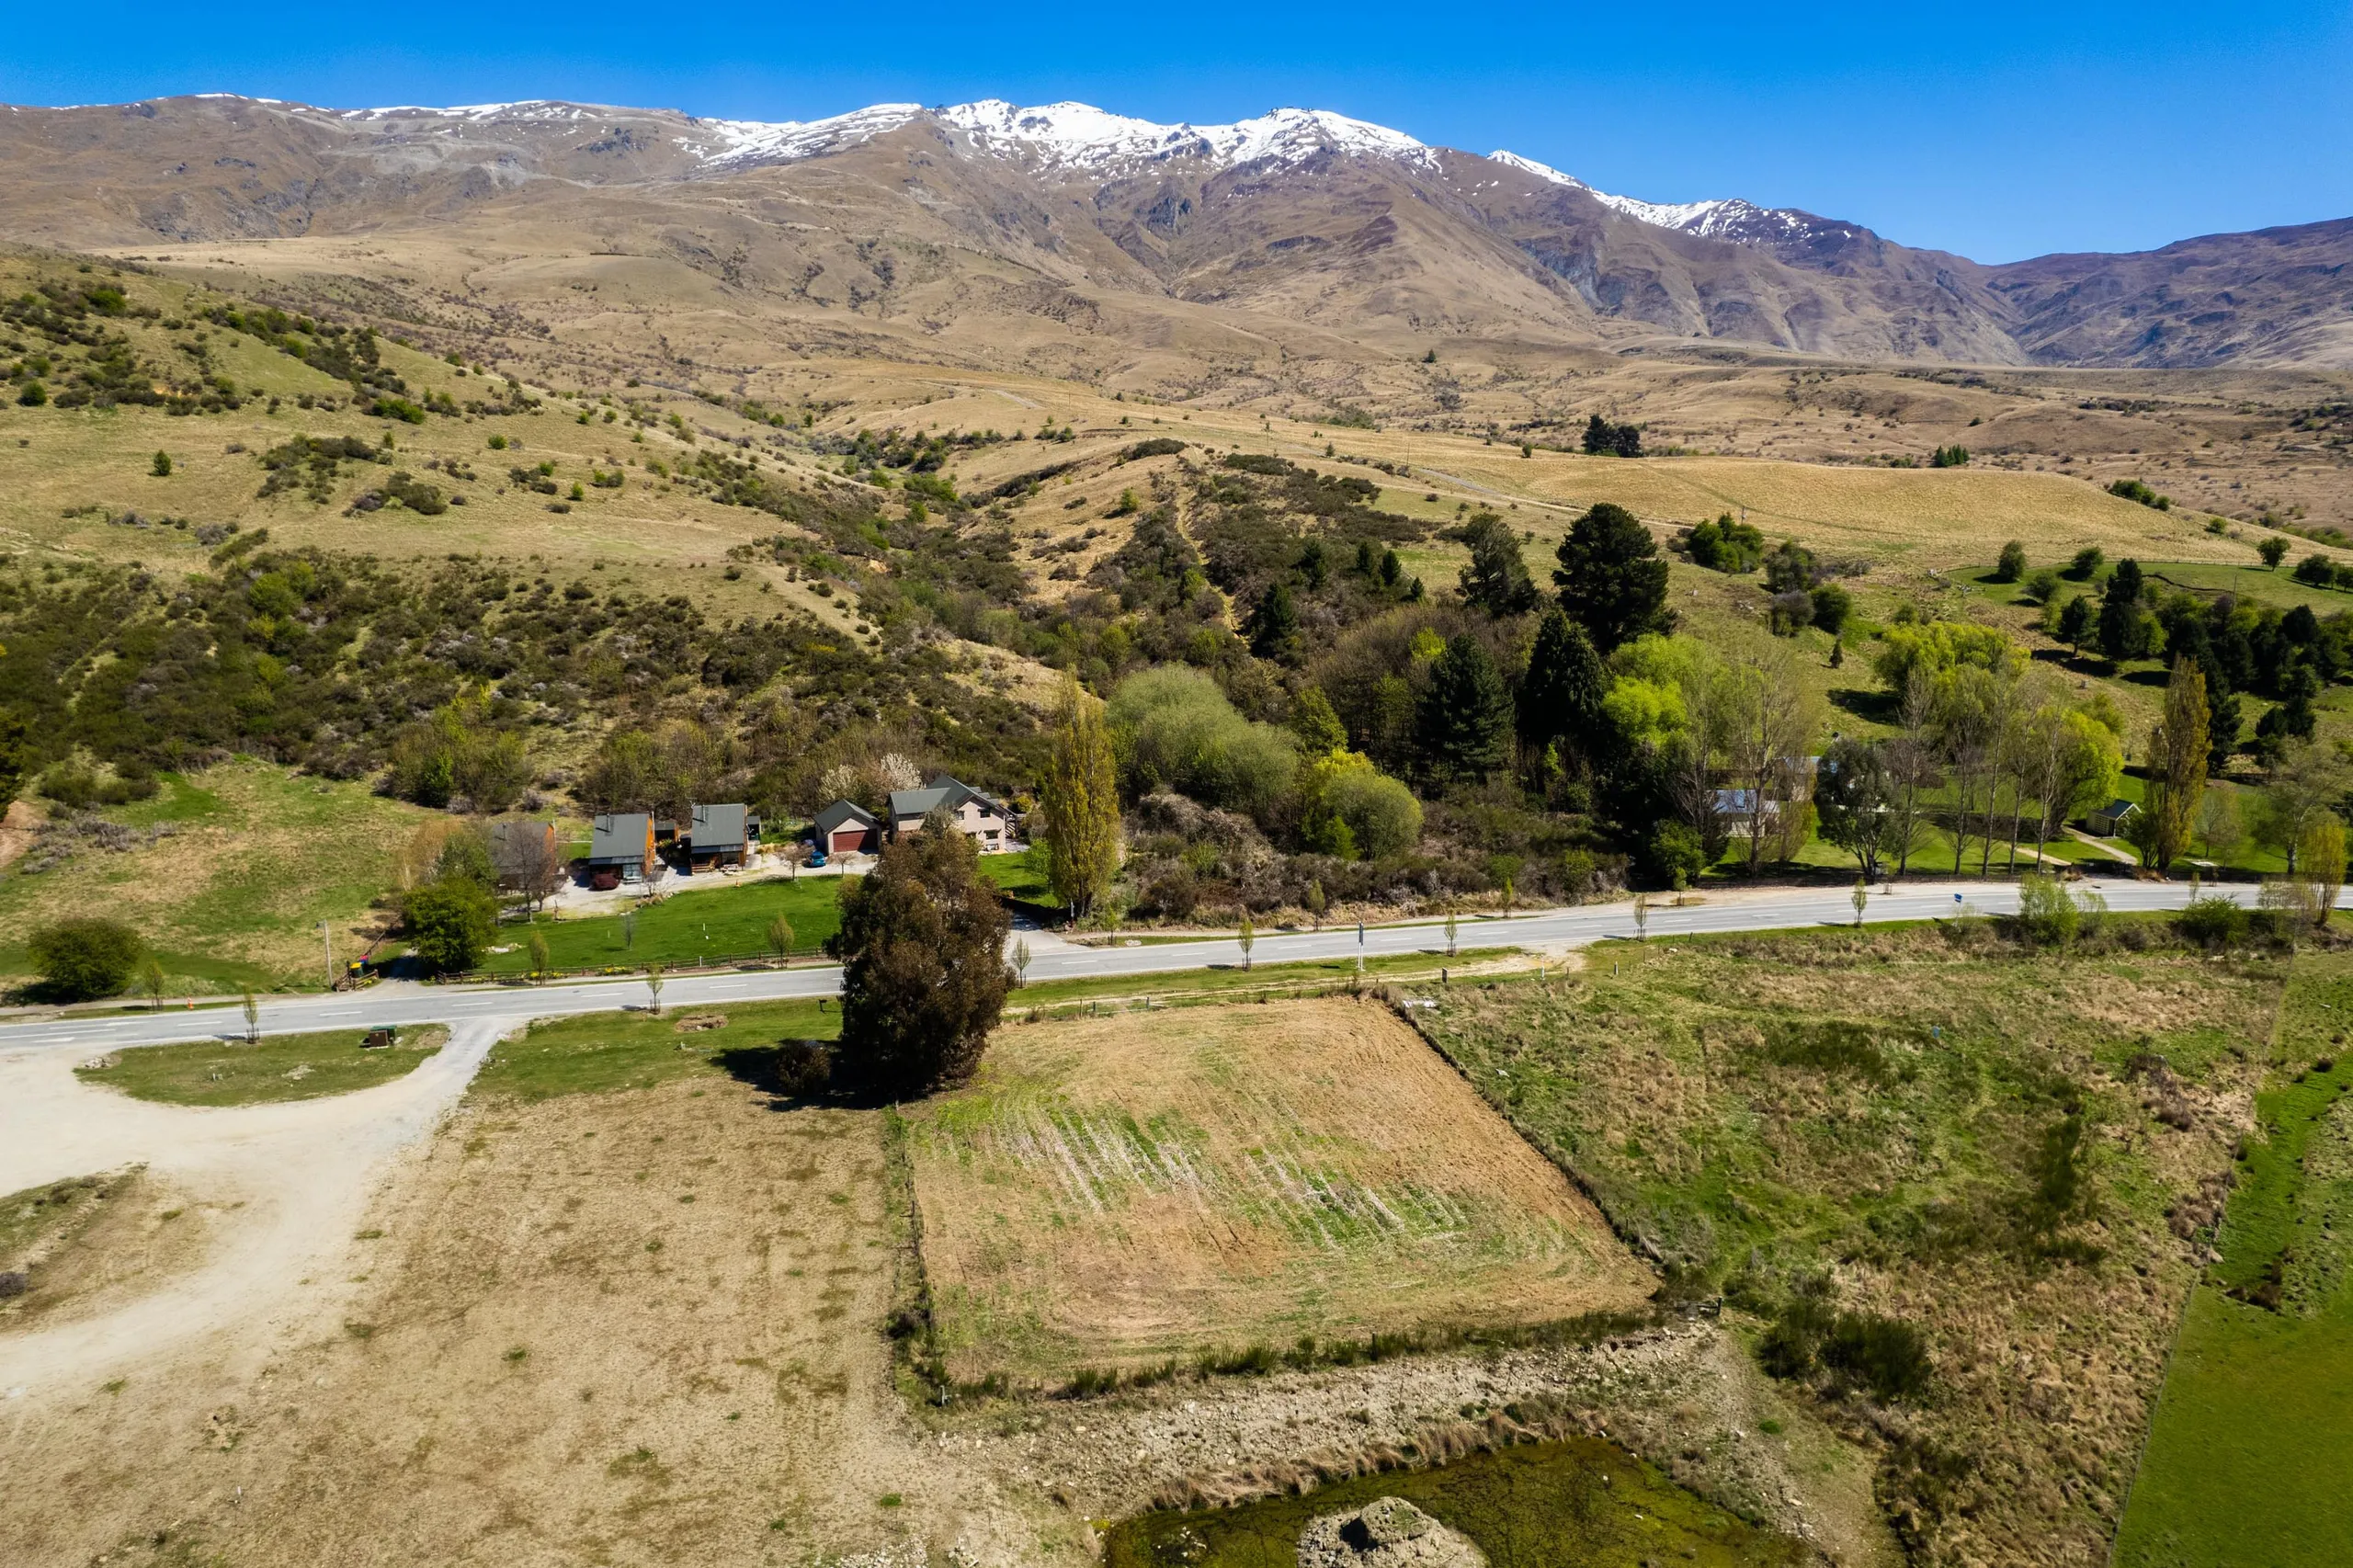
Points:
x=278 y=1189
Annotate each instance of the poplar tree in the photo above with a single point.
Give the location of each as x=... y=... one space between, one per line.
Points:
x=2177 y=758
x=1082 y=802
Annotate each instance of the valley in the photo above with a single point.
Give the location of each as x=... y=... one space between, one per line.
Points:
x=1291 y=532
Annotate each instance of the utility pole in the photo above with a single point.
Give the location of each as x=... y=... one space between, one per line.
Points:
x=1359 y=944
x=326 y=935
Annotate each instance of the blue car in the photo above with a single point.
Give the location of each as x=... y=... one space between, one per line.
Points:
x=816 y=859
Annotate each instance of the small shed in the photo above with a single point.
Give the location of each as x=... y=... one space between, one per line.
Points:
x=2108 y=821
x=847 y=828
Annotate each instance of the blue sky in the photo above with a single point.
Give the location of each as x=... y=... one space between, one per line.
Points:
x=1998 y=131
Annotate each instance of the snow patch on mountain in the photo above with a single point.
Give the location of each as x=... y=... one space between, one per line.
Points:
x=1075 y=135
x=1731 y=219
x=741 y=142
x=528 y=109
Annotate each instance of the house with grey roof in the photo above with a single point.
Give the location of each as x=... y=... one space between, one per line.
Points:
x=721 y=835
x=977 y=816
x=621 y=846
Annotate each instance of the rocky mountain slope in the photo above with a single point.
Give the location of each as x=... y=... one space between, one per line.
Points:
x=1065 y=222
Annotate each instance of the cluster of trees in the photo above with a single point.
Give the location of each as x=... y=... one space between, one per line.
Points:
x=1603 y=438
x=1983 y=749
x=2237 y=646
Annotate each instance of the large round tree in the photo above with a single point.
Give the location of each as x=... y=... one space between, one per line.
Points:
x=921 y=945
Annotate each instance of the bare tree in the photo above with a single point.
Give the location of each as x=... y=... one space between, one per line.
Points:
x=530 y=863
x=1768 y=721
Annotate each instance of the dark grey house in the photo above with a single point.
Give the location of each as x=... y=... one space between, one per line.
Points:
x=620 y=848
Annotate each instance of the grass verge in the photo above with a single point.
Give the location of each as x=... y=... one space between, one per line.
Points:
x=600 y=1052
x=282 y=1067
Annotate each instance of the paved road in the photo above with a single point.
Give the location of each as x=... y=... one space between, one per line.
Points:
x=1763 y=909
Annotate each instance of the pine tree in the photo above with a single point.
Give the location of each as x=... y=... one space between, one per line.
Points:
x=1464 y=718
x=2075 y=622
x=1611 y=578
x=1560 y=698
x=1082 y=802
x=2124 y=625
x=1496 y=577
x=1273 y=626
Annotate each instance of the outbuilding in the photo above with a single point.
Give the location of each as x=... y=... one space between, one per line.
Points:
x=847 y=828
x=2108 y=821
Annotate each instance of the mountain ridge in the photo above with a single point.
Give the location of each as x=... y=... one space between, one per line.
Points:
x=1303 y=214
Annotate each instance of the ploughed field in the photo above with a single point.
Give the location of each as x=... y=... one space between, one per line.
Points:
x=1116 y=1193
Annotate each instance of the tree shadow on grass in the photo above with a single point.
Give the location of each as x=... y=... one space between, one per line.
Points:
x=803 y=1075
x=1872 y=707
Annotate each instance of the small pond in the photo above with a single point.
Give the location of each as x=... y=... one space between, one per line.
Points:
x=1578 y=1504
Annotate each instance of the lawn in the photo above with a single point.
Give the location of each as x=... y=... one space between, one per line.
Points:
x=1960 y=1134
x=2254 y=1436
x=1315 y=975
x=232 y=895
x=598 y=1052
x=282 y=1067
x=686 y=928
x=1112 y=1192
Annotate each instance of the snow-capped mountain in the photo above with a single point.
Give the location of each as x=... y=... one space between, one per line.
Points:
x=1080 y=139
x=1104 y=234
x=1726 y=218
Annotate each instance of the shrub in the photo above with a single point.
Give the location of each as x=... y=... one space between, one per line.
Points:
x=33 y=396
x=2012 y=565
x=1888 y=1357
x=2046 y=914
x=1832 y=607
x=450 y=921
x=1674 y=855
x=2087 y=564
x=2214 y=921
x=85 y=958
x=2043 y=586
x=1174 y=729
x=161 y=467
x=1380 y=813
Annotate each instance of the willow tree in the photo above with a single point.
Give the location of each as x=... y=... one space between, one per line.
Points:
x=2177 y=763
x=1082 y=802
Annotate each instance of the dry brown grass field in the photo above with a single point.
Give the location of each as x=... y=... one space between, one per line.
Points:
x=604 y=1329
x=1112 y=1192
